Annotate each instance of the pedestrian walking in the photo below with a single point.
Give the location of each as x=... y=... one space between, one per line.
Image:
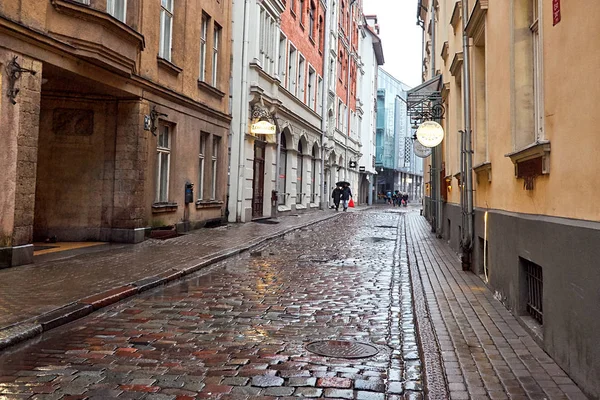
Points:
x=405 y=199
x=388 y=197
x=346 y=196
x=336 y=196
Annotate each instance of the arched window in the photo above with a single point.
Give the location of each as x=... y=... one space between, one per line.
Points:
x=299 y=174
x=282 y=169
x=311 y=21
x=313 y=177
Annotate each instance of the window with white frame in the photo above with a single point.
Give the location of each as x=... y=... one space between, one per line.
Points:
x=340 y=111
x=292 y=68
x=320 y=95
x=166 y=29
x=215 y=55
x=302 y=12
x=311 y=21
x=116 y=8
x=163 y=161
x=282 y=59
x=215 y=154
x=201 y=165
x=267 y=38
x=311 y=87
x=538 y=110
x=301 y=78
x=203 y=35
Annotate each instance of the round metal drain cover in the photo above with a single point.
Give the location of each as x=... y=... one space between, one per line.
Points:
x=342 y=349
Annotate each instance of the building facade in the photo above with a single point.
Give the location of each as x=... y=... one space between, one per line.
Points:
x=110 y=111
x=371 y=55
x=288 y=78
x=521 y=99
x=398 y=167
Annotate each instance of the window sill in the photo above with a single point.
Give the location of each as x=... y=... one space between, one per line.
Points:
x=201 y=204
x=169 y=66
x=302 y=26
x=540 y=149
x=310 y=38
x=210 y=89
x=164 y=207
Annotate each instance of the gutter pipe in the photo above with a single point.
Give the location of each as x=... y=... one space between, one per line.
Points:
x=324 y=96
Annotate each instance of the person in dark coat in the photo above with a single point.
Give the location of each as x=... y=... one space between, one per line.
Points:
x=336 y=196
x=405 y=199
x=346 y=195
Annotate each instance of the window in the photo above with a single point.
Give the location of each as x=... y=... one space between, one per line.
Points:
x=320 y=95
x=166 y=29
x=87 y=2
x=215 y=154
x=201 y=167
x=203 y=33
x=321 y=36
x=311 y=88
x=116 y=8
x=340 y=125
x=267 y=39
x=282 y=168
x=293 y=7
x=311 y=21
x=215 y=59
x=299 y=174
x=283 y=59
x=340 y=67
x=301 y=78
x=301 y=12
x=292 y=68
x=163 y=151
x=538 y=109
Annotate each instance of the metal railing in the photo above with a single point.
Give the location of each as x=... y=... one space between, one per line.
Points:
x=535 y=290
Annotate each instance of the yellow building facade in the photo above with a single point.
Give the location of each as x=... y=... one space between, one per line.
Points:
x=114 y=119
x=534 y=121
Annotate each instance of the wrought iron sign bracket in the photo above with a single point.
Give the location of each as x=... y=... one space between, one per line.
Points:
x=14 y=71
x=153 y=117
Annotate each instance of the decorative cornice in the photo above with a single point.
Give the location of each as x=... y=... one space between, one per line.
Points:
x=477 y=18
x=457 y=63
x=444 y=52
x=482 y=168
x=456 y=14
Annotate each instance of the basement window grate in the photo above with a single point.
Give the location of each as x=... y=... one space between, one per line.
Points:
x=535 y=290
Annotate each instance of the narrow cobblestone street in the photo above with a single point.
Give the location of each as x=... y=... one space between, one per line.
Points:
x=240 y=328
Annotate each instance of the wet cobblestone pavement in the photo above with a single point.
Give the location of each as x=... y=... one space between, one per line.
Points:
x=239 y=328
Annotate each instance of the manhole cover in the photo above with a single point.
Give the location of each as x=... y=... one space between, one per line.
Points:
x=341 y=349
x=376 y=239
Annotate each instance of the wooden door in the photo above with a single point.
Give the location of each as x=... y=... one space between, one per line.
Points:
x=258 y=182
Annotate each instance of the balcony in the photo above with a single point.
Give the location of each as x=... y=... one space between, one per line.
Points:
x=96 y=36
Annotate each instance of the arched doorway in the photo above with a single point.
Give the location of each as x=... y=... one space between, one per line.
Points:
x=282 y=169
x=300 y=173
x=258 y=181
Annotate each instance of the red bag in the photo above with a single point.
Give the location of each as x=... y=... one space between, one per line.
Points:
x=351 y=203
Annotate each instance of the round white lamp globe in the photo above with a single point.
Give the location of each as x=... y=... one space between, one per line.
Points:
x=430 y=134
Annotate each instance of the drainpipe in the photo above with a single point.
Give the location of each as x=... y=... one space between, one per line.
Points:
x=243 y=115
x=435 y=154
x=467 y=246
x=324 y=108
x=349 y=119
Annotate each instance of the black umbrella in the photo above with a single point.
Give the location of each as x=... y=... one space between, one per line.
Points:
x=343 y=183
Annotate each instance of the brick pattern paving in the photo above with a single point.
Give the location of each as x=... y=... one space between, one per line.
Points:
x=486 y=353
x=32 y=290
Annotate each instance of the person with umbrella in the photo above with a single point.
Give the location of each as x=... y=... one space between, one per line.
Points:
x=336 y=196
x=346 y=194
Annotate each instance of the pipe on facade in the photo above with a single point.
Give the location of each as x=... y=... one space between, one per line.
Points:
x=467 y=245
x=435 y=154
x=349 y=118
x=324 y=108
x=243 y=115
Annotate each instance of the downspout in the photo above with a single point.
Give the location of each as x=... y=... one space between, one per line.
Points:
x=348 y=120
x=435 y=154
x=468 y=239
x=243 y=114
x=324 y=108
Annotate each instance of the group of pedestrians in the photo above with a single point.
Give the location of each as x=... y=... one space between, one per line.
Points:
x=343 y=194
x=396 y=198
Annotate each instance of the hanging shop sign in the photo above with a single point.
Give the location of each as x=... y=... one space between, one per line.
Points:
x=420 y=150
x=430 y=134
x=262 y=128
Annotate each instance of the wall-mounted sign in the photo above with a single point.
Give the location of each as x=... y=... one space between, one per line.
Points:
x=352 y=164
x=262 y=128
x=420 y=150
x=362 y=168
x=430 y=134
x=555 y=12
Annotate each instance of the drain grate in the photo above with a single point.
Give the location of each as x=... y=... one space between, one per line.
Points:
x=342 y=349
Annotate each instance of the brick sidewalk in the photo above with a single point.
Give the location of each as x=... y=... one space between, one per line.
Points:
x=485 y=353
x=38 y=297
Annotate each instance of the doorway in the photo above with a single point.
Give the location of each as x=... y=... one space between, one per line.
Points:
x=258 y=181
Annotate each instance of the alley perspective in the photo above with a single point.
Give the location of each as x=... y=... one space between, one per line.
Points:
x=341 y=199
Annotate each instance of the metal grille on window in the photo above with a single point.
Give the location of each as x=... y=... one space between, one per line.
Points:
x=535 y=290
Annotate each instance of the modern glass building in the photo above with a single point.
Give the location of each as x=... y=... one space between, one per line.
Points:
x=397 y=166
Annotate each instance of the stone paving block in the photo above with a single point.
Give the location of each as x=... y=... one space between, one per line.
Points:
x=339 y=393
x=279 y=391
x=302 y=381
x=361 y=395
x=308 y=392
x=267 y=381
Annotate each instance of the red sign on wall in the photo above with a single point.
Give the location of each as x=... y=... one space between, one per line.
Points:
x=555 y=12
